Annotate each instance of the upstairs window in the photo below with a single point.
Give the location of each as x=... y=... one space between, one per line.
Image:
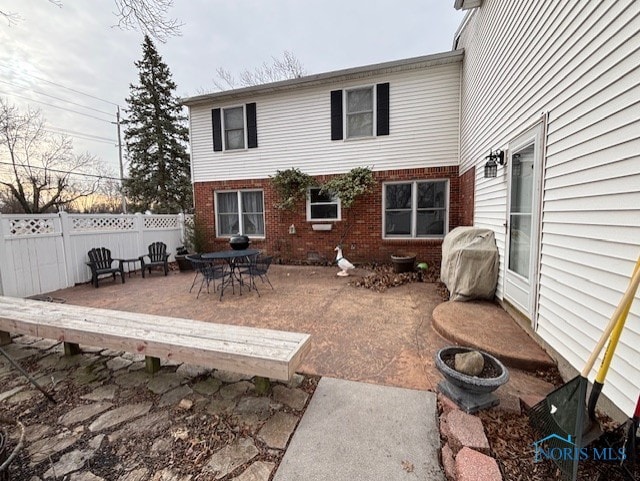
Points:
x=235 y=128
x=322 y=206
x=416 y=209
x=360 y=112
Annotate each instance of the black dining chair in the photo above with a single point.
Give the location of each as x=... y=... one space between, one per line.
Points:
x=210 y=272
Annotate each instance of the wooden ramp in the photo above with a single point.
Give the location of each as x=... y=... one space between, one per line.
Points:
x=247 y=350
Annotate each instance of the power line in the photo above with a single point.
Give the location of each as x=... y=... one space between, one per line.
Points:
x=59 y=171
x=57 y=107
x=57 y=98
x=61 y=86
x=82 y=135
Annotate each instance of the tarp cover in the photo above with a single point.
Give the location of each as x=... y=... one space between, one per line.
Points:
x=470 y=263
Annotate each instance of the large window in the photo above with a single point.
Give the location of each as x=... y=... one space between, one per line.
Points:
x=359 y=112
x=240 y=212
x=416 y=209
x=233 y=128
x=322 y=206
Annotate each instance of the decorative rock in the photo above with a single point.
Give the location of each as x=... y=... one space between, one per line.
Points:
x=168 y=475
x=191 y=370
x=133 y=357
x=132 y=379
x=277 y=430
x=139 y=474
x=474 y=466
x=470 y=363
x=96 y=442
x=221 y=406
x=448 y=463
x=10 y=392
x=230 y=377
x=119 y=415
x=294 y=398
x=175 y=396
x=464 y=430
x=258 y=471
x=296 y=380
x=162 y=445
x=68 y=463
x=34 y=432
x=234 y=390
x=161 y=383
x=208 y=387
x=254 y=405
x=101 y=393
x=150 y=424
x=42 y=449
x=86 y=476
x=118 y=363
x=82 y=413
x=231 y=456
x=185 y=404
x=21 y=396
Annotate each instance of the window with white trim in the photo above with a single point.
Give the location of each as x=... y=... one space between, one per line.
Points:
x=322 y=206
x=359 y=112
x=416 y=209
x=240 y=212
x=233 y=122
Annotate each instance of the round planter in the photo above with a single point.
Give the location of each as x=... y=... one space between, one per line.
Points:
x=468 y=383
x=239 y=242
x=184 y=264
x=403 y=262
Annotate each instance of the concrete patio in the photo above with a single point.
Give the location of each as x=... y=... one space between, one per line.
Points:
x=357 y=334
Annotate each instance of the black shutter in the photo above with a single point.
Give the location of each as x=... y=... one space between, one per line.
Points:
x=252 y=126
x=217 y=130
x=382 y=109
x=336 y=114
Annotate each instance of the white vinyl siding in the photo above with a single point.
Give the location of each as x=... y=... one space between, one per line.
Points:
x=295 y=129
x=579 y=63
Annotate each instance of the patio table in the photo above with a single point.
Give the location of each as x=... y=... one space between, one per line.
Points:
x=230 y=257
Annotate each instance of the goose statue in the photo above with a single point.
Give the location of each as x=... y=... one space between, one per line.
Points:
x=343 y=263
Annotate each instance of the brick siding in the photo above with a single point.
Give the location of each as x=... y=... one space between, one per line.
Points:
x=360 y=231
x=467 y=195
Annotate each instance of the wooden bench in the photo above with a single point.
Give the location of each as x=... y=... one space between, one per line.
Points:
x=247 y=350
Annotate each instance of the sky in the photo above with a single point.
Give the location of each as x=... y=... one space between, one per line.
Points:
x=73 y=57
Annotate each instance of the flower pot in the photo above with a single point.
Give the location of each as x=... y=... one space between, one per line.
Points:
x=403 y=262
x=184 y=264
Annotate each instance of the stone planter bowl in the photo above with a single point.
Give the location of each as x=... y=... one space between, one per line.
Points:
x=471 y=383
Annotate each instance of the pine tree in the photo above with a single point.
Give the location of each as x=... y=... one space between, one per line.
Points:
x=156 y=137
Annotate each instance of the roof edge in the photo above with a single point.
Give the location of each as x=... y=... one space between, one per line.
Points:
x=424 y=61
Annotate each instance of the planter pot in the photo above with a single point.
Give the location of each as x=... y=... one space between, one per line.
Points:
x=184 y=264
x=470 y=393
x=403 y=262
x=239 y=242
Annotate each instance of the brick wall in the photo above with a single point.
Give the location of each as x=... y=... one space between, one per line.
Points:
x=467 y=195
x=360 y=230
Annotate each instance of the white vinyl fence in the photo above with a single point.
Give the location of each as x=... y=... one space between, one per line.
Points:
x=41 y=253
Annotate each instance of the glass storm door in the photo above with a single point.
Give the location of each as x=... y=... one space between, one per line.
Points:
x=524 y=167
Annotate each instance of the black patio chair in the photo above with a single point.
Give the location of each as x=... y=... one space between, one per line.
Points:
x=210 y=272
x=257 y=266
x=101 y=262
x=158 y=258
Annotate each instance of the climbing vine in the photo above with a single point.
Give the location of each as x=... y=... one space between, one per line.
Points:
x=349 y=186
x=291 y=186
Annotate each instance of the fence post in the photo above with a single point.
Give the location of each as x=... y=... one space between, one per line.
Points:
x=139 y=223
x=70 y=257
x=183 y=234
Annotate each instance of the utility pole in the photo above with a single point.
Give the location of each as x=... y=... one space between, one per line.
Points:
x=124 y=200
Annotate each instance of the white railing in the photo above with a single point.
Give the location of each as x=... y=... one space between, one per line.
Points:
x=41 y=253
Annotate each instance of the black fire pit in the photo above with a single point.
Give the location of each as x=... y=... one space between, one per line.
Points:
x=471 y=393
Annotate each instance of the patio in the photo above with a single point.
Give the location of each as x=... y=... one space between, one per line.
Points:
x=357 y=334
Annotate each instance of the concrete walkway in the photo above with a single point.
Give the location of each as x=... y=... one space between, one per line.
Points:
x=360 y=432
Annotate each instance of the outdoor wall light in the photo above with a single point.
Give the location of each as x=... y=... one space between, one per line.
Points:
x=491 y=167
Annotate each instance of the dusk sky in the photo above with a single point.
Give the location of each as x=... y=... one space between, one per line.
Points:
x=72 y=50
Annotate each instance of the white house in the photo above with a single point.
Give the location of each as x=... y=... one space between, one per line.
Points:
x=550 y=89
x=556 y=87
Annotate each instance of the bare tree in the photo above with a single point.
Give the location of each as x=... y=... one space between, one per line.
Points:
x=148 y=16
x=40 y=170
x=287 y=67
